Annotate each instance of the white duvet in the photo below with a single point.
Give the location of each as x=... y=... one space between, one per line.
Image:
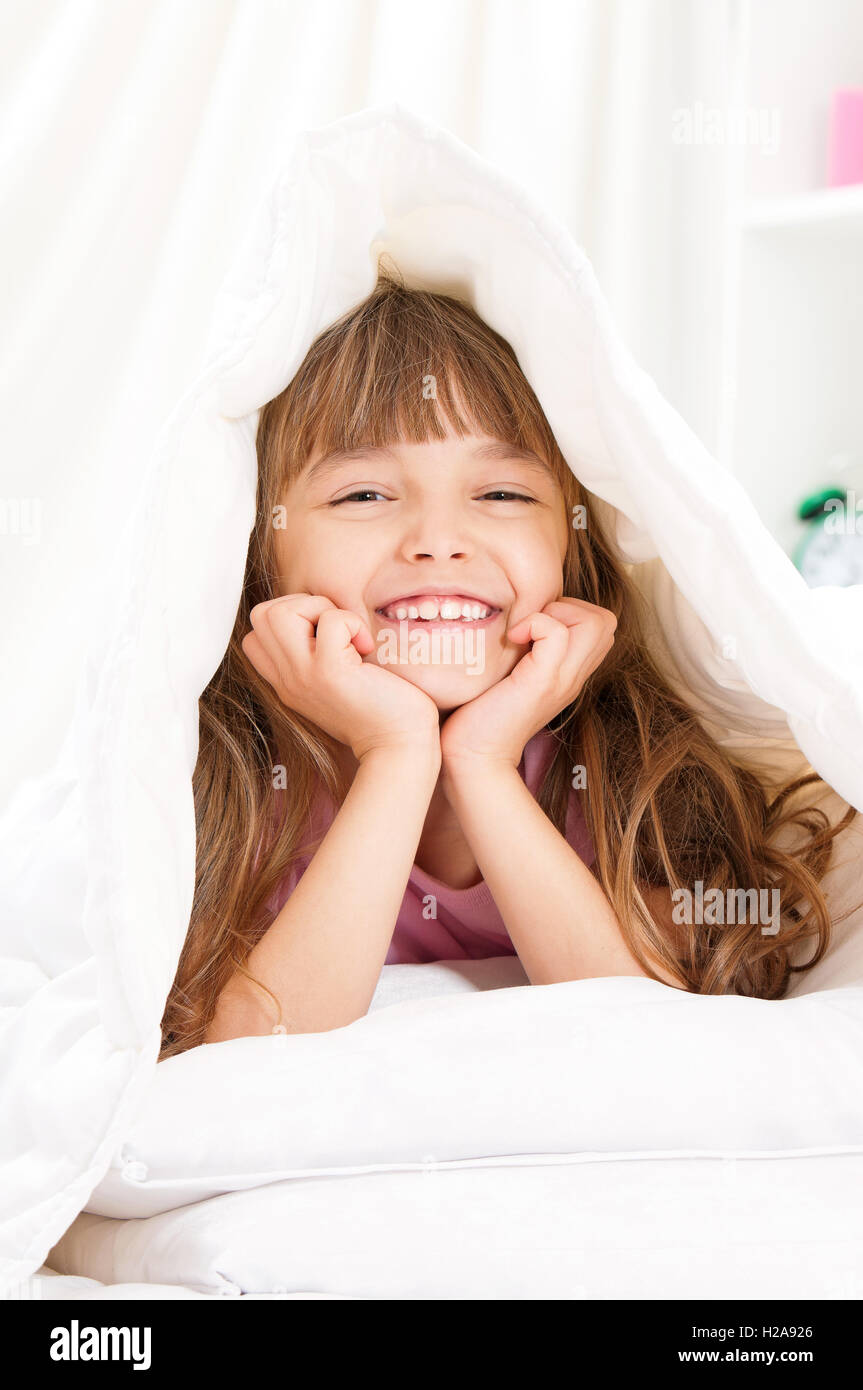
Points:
x=97 y=859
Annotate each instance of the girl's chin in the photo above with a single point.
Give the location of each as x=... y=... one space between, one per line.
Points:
x=447 y=688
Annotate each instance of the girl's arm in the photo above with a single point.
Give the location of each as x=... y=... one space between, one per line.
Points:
x=323 y=954
x=557 y=914
x=555 y=910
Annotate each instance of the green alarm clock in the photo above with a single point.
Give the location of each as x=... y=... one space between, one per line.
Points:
x=831 y=551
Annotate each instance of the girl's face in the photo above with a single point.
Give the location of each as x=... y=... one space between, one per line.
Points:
x=439 y=547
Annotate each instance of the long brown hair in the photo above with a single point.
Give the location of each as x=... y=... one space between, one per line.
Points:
x=665 y=804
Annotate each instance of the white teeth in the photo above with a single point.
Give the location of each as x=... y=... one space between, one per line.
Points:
x=430 y=609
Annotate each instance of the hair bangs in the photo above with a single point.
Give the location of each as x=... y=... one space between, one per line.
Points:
x=410 y=367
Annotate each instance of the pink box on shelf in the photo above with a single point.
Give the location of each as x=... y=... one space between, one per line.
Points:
x=845 y=151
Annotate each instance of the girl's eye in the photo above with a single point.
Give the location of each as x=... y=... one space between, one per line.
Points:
x=362 y=494
x=370 y=494
x=502 y=495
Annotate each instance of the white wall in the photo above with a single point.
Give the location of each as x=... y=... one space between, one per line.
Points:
x=799 y=52
x=797 y=343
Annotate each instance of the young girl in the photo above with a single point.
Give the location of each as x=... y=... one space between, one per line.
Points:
x=438 y=731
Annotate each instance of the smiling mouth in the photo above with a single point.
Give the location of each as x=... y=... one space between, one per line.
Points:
x=438 y=608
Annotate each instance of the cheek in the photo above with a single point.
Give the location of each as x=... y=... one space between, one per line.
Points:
x=291 y=561
x=300 y=545
x=310 y=560
x=536 y=570
x=304 y=565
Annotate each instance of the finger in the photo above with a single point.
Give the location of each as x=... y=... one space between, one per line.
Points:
x=595 y=628
x=262 y=662
x=340 y=629
x=286 y=625
x=588 y=645
x=535 y=627
x=301 y=605
x=575 y=610
x=548 y=637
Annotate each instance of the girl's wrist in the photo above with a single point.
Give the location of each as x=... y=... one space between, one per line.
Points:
x=413 y=756
x=461 y=770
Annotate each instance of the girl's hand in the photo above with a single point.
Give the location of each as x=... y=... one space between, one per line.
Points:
x=570 y=638
x=311 y=652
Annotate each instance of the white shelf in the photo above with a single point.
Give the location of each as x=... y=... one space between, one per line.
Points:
x=828 y=208
x=798 y=349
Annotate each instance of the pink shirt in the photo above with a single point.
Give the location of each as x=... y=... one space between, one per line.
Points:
x=467 y=924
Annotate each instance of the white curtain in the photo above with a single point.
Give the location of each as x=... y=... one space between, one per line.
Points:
x=136 y=134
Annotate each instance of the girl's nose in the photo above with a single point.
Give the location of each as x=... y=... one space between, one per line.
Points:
x=439 y=553
x=437 y=537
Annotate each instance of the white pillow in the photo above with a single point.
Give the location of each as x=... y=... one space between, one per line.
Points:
x=622 y=1065
x=399 y=983
x=655 y=1228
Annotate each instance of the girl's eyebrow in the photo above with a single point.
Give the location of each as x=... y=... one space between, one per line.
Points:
x=500 y=452
x=337 y=457
x=494 y=452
